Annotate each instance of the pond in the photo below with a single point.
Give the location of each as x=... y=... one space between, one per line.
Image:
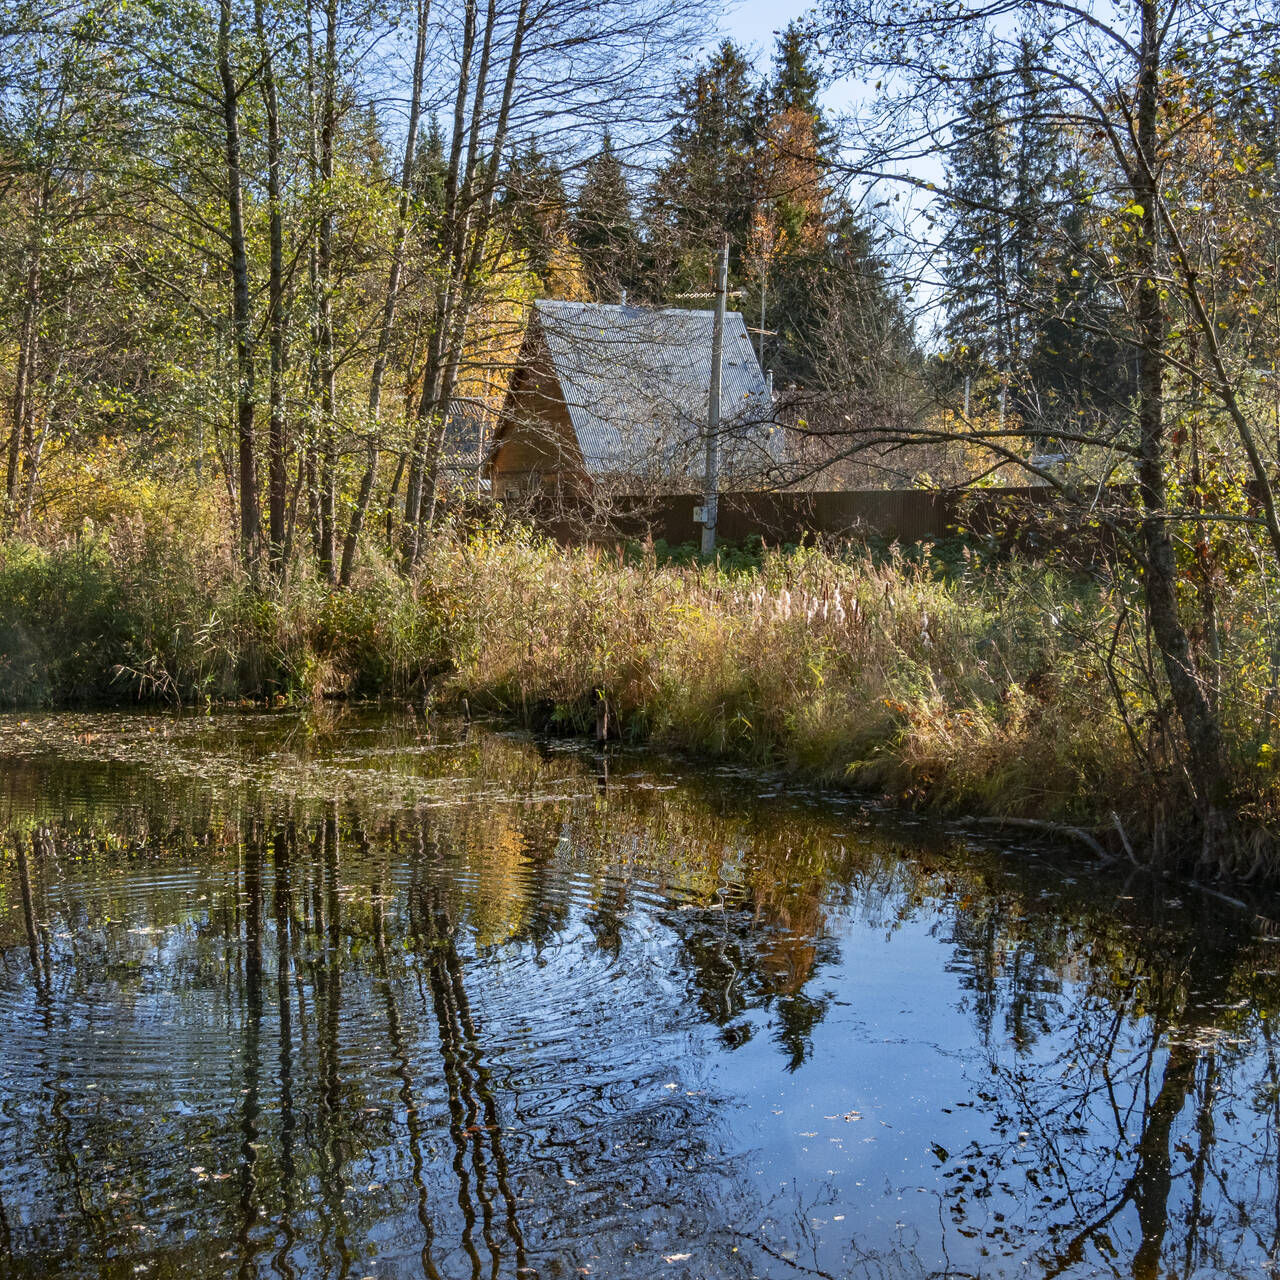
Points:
x=352 y=994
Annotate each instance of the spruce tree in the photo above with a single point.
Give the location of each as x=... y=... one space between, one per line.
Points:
x=707 y=188
x=795 y=82
x=1005 y=171
x=975 y=243
x=430 y=165
x=537 y=205
x=603 y=226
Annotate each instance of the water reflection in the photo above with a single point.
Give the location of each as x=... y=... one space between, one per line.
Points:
x=467 y=1007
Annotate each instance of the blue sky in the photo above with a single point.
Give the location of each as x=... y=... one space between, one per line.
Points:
x=754 y=23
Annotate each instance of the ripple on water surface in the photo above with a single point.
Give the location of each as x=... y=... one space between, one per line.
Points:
x=345 y=996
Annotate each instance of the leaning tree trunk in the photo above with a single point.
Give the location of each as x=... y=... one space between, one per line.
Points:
x=469 y=250
x=1199 y=724
x=443 y=311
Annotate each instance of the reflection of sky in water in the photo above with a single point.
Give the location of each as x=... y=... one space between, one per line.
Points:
x=495 y=1012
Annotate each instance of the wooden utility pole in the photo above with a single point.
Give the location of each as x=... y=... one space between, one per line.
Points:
x=711 y=486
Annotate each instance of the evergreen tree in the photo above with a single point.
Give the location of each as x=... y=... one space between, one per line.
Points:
x=795 y=83
x=603 y=227
x=796 y=152
x=430 y=166
x=976 y=270
x=795 y=86
x=1026 y=301
x=537 y=206
x=1004 y=168
x=707 y=188
x=795 y=227
x=1079 y=367
x=833 y=314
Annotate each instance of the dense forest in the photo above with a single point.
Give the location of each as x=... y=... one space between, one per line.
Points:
x=254 y=254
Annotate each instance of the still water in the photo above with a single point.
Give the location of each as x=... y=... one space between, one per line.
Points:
x=349 y=995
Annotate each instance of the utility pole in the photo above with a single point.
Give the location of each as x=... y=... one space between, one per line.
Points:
x=711 y=486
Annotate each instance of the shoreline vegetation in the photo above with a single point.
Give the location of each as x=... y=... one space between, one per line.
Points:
x=297 y=303
x=999 y=690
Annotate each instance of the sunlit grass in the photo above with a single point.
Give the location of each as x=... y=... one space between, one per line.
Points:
x=996 y=689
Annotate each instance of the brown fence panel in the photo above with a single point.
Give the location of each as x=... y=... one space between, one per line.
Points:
x=905 y=515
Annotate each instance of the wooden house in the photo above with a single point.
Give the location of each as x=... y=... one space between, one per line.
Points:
x=613 y=396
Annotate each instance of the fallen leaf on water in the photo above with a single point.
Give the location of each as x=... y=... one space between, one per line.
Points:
x=676 y=1257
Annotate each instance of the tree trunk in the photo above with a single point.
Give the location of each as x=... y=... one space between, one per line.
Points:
x=28 y=343
x=436 y=343
x=324 y=249
x=277 y=479
x=31 y=470
x=351 y=544
x=468 y=249
x=391 y=500
x=241 y=317
x=1199 y=724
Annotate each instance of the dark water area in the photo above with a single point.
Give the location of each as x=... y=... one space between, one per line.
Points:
x=344 y=995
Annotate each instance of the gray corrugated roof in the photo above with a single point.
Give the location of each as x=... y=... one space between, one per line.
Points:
x=636 y=382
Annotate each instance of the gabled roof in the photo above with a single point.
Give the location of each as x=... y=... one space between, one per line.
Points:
x=636 y=381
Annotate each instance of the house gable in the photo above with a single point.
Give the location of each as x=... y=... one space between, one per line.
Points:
x=604 y=392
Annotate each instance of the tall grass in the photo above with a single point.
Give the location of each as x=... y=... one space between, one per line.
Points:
x=108 y=620
x=844 y=669
x=1013 y=690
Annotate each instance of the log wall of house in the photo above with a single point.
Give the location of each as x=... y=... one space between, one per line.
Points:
x=536 y=448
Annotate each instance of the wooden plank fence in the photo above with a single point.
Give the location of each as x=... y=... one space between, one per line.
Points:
x=905 y=515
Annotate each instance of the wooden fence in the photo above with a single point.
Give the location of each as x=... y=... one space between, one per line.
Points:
x=905 y=515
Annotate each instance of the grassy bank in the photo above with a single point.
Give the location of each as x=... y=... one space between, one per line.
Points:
x=1011 y=691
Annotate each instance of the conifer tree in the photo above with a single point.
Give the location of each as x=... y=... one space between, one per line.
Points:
x=535 y=201
x=707 y=189
x=603 y=226
x=430 y=165
x=1005 y=169
x=795 y=81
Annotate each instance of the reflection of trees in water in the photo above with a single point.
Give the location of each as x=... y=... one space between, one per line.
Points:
x=327 y=969
x=1140 y=1136
x=384 y=1091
